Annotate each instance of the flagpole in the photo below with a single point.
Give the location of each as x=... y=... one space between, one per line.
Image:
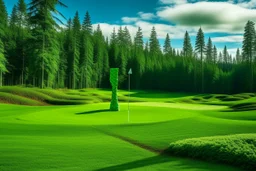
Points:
x=129 y=88
x=129 y=99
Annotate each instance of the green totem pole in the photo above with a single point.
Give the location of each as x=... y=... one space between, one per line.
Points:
x=114 y=82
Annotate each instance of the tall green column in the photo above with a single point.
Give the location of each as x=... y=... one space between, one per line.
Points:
x=114 y=83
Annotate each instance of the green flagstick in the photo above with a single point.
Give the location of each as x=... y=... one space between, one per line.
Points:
x=114 y=83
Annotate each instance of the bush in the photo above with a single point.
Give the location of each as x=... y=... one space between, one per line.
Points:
x=237 y=150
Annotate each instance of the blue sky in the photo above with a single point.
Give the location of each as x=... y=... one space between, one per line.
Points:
x=223 y=21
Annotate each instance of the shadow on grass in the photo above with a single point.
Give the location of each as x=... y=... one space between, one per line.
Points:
x=93 y=112
x=138 y=163
x=173 y=162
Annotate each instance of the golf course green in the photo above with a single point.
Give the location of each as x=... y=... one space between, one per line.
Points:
x=74 y=130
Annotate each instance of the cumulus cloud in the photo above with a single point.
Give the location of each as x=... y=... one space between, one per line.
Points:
x=247 y=4
x=129 y=19
x=146 y=16
x=173 y=2
x=161 y=29
x=141 y=16
x=230 y=39
x=107 y=29
x=212 y=16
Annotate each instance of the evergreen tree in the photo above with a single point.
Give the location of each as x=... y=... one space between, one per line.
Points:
x=215 y=55
x=11 y=48
x=154 y=49
x=2 y=62
x=3 y=19
x=209 y=51
x=225 y=55
x=187 y=47
x=87 y=25
x=44 y=42
x=86 y=54
x=200 y=49
x=23 y=35
x=238 y=56
x=139 y=58
x=113 y=52
x=76 y=28
x=14 y=17
x=220 y=58
x=249 y=49
x=167 y=45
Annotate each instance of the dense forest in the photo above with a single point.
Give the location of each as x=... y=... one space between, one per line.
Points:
x=36 y=51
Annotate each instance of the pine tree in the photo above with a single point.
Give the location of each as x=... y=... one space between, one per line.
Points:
x=187 y=47
x=22 y=37
x=209 y=51
x=249 y=49
x=200 y=49
x=2 y=62
x=86 y=53
x=3 y=19
x=99 y=52
x=215 y=55
x=238 y=56
x=167 y=45
x=138 y=40
x=139 y=58
x=113 y=51
x=225 y=55
x=11 y=48
x=14 y=17
x=76 y=28
x=87 y=25
x=220 y=58
x=45 y=45
x=154 y=48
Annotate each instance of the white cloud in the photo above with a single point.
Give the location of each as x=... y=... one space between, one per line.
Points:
x=173 y=2
x=146 y=16
x=229 y=39
x=130 y=19
x=161 y=29
x=107 y=29
x=247 y=4
x=212 y=16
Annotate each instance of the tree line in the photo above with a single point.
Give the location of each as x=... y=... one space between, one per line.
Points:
x=36 y=51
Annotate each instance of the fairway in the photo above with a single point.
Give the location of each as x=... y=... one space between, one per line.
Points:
x=90 y=137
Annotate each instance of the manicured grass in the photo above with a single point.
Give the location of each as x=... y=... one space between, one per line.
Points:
x=88 y=137
x=58 y=138
x=239 y=150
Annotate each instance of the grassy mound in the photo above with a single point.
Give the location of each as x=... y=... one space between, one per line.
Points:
x=238 y=150
x=15 y=99
x=244 y=106
x=32 y=96
x=36 y=96
x=241 y=102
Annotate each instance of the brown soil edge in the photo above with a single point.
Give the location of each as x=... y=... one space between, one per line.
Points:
x=134 y=142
